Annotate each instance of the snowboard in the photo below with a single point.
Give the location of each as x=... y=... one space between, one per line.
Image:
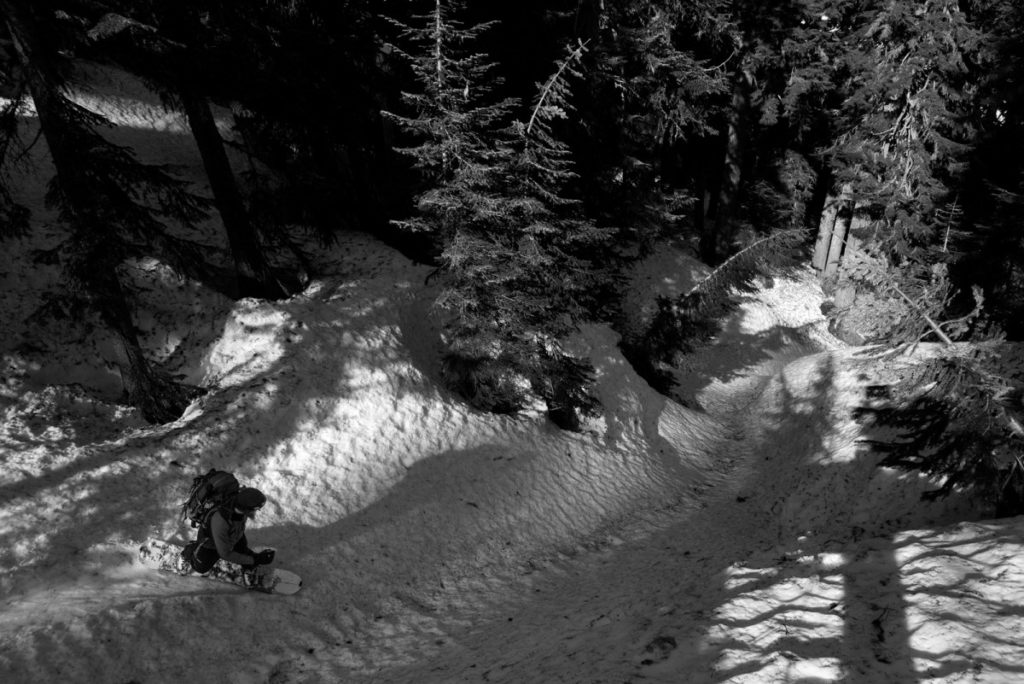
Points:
x=166 y=556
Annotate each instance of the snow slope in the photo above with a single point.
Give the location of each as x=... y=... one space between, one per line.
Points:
x=750 y=541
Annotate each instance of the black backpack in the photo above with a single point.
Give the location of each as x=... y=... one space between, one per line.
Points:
x=209 y=493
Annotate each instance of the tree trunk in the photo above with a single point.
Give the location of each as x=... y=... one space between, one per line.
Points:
x=857 y=221
x=833 y=231
x=825 y=228
x=840 y=231
x=160 y=399
x=255 y=277
x=703 y=213
x=835 y=249
x=718 y=237
x=705 y=216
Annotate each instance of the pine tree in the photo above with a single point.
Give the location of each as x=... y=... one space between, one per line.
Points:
x=907 y=128
x=455 y=123
x=909 y=86
x=993 y=196
x=533 y=276
x=316 y=134
x=510 y=248
x=112 y=205
x=459 y=153
x=652 y=95
x=172 y=46
x=958 y=416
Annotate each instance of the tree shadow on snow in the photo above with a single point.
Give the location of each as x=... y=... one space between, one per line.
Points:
x=830 y=596
x=735 y=355
x=788 y=534
x=790 y=573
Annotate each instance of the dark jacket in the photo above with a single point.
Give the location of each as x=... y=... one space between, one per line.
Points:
x=227 y=529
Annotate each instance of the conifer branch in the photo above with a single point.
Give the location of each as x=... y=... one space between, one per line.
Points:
x=575 y=54
x=741 y=268
x=439 y=45
x=747 y=253
x=680 y=325
x=924 y=314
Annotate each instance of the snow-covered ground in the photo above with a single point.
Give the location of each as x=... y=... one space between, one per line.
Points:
x=751 y=541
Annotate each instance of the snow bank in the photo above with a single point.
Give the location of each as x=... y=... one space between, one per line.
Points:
x=386 y=493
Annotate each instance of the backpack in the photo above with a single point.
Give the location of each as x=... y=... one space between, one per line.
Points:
x=208 y=494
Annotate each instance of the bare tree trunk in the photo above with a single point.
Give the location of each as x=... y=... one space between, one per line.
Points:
x=841 y=218
x=704 y=212
x=835 y=248
x=733 y=170
x=255 y=277
x=858 y=220
x=845 y=296
x=825 y=228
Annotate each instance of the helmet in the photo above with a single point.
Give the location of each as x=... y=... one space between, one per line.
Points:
x=249 y=498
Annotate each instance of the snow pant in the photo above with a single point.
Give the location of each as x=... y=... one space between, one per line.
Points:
x=202 y=558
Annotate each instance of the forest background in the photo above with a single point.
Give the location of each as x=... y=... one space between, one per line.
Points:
x=531 y=152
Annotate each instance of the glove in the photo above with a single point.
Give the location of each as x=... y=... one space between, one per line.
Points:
x=264 y=557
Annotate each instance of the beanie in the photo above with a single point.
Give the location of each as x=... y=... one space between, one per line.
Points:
x=249 y=497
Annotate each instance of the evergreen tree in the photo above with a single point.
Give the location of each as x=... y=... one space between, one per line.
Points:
x=686 y=94
x=112 y=205
x=651 y=98
x=912 y=109
x=993 y=196
x=510 y=247
x=906 y=128
x=307 y=87
x=459 y=155
x=532 y=276
x=958 y=416
x=173 y=47
x=710 y=87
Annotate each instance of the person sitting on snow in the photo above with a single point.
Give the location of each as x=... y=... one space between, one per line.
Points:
x=223 y=536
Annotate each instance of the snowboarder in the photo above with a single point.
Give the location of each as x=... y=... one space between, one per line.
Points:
x=223 y=535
